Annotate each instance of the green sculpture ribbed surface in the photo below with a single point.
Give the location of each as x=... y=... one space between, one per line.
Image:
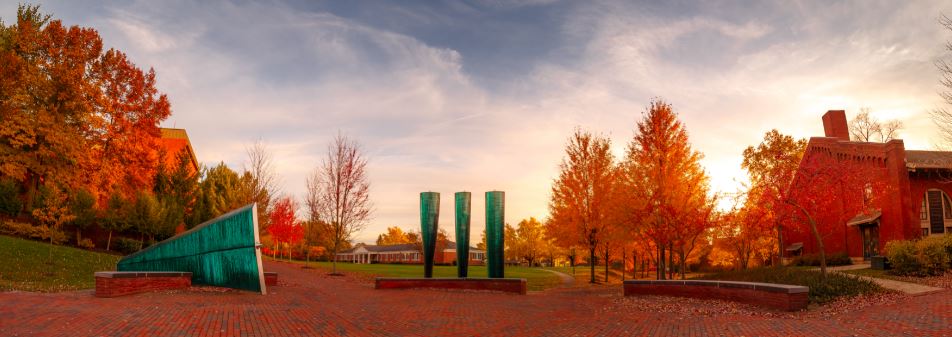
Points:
x=221 y=252
x=495 y=230
x=462 y=232
x=429 y=225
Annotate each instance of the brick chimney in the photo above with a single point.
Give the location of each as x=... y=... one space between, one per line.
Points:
x=834 y=125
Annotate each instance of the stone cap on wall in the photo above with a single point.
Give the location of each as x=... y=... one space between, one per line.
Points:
x=134 y=274
x=771 y=287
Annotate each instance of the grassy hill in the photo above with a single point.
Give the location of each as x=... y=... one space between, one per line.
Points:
x=24 y=266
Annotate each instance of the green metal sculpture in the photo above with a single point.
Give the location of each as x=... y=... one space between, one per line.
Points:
x=495 y=222
x=429 y=225
x=462 y=233
x=222 y=252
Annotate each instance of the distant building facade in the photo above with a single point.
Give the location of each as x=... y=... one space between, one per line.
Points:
x=917 y=205
x=406 y=253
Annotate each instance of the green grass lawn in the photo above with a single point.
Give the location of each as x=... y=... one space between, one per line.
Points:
x=24 y=266
x=536 y=278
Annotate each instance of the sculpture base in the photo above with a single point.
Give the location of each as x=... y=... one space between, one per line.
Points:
x=510 y=285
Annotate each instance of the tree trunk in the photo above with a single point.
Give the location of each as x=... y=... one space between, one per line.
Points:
x=109 y=240
x=624 y=264
x=606 y=263
x=670 y=261
x=79 y=237
x=659 y=266
x=683 y=263
x=780 y=242
x=334 y=258
x=591 y=263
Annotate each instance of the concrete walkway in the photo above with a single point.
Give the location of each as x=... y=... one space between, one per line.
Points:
x=914 y=289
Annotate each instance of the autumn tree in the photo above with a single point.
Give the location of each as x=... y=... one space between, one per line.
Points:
x=828 y=190
x=745 y=228
x=285 y=228
x=665 y=187
x=579 y=211
x=771 y=167
x=393 y=236
x=529 y=241
x=74 y=113
x=53 y=213
x=866 y=128
x=342 y=188
x=942 y=116
x=260 y=181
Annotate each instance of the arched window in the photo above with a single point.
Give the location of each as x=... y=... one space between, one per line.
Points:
x=935 y=214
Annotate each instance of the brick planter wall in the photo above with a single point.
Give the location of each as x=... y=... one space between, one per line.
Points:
x=776 y=296
x=511 y=285
x=112 y=284
x=270 y=278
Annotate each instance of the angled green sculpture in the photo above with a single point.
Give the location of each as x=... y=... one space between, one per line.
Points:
x=462 y=233
x=429 y=225
x=224 y=252
x=495 y=230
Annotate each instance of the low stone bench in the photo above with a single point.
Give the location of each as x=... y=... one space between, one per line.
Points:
x=270 y=278
x=776 y=296
x=511 y=285
x=121 y=283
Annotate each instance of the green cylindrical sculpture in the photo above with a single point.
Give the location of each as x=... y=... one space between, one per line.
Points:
x=429 y=225
x=495 y=230
x=462 y=233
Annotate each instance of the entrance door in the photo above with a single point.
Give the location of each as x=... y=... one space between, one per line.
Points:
x=870 y=241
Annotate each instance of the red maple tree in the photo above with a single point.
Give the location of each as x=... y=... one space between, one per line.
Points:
x=285 y=228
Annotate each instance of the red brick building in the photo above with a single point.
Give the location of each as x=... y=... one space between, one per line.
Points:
x=915 y=204
x=406 y=253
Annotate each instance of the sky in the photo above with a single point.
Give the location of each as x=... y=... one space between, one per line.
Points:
x=483 y=95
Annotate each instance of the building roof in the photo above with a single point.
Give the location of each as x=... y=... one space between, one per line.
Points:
x=174 y=141
x=928 y=159
x=398 y=248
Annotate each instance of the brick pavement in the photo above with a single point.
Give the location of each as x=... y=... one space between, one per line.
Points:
x=307 y=302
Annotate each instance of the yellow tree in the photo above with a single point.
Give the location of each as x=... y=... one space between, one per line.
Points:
x=581 y=196
x=394 y=236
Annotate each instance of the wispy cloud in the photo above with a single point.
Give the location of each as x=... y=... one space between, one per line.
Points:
x=482 y=96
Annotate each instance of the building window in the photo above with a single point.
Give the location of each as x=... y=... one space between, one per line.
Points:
x=925 y=232
x=923 y=214
x=947 y=206
x=867 y=194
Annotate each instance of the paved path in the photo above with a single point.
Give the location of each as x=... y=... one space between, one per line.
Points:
x=910 y=288
x=567 y=280
x=306 y=302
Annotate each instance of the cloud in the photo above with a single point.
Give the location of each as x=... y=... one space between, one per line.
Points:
x=447 y=107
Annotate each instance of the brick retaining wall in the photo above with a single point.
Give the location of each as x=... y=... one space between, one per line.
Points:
x=112 y=284
x=512 y=285
x=777 y=296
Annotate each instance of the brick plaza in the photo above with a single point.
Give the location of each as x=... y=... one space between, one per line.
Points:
x=306 y=302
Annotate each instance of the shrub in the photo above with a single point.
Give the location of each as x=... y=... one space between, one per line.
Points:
x=902 y=257
x=25 y=230
x=835 y=259
x=86 y=243
x=932 y=255
x=126 y=245
x=9 y=200
x=821 y=291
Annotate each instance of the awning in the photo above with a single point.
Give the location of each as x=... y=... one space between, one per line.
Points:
x=795 y=247
x=865 y=218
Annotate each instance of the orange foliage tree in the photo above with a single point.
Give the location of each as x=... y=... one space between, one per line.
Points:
x=580 y=207
x=73 y=113
x=665 y=197
x=771 y=167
